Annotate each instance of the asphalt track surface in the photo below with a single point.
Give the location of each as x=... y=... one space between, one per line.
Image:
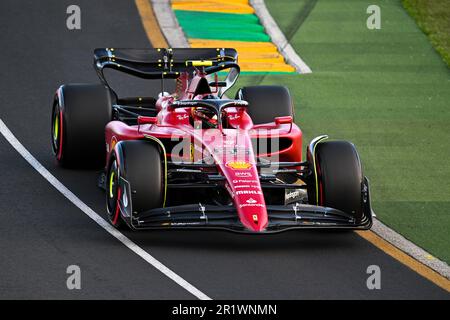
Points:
x=41 y=232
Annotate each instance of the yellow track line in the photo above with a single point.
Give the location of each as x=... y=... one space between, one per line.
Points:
x=257 y=46
x=150 y=24
x=405 y=259
x=253 y=56
x=265 y=67
x=220 y=6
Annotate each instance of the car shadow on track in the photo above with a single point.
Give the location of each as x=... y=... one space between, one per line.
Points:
x=223 y=240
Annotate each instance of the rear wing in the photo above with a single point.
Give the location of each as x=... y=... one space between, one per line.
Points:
x=166 y=63
x=161 y=63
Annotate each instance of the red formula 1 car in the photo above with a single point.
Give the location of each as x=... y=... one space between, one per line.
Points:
x=196 y=159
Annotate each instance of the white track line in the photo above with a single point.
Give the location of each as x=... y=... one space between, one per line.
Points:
x=277 y=36
x=169 y=24
x=400 y=242
x=94 y=216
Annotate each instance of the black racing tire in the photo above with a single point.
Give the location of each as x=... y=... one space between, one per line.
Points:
x=140 y=163
x=339 y=178
x=265 y=103
x=80 y=114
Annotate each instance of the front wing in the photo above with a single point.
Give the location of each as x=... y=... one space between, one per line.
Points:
x=281 y=217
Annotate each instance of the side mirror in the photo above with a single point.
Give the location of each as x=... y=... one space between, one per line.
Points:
x=283 y=120
x=146 y=120
x=220 y=84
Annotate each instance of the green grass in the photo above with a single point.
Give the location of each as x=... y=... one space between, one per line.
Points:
x=433 y=17
x=221 y=26
x=387 y=91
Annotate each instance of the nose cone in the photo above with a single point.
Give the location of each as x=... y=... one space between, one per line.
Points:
x=243 y=183
x=254 y=220
x=252 y=210
x=248 y=198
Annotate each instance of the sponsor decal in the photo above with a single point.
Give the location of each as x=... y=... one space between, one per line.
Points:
x=251 y=200
x=251 y=205
x=185 y=103
x=244 y=174
x=245 y=181
x=234 y=117
x=239 y=165
x=248 y=192
x=294 y=195
x=241 y=186
x=182 y=116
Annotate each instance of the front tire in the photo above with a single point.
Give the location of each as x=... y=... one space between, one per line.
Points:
x=135 y=180
x=339 y=178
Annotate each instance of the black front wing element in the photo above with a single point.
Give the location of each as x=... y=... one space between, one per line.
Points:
x=281 y=217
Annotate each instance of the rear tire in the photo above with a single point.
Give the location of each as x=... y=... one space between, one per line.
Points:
x=265 y=103
x=140 y=163
x=80 y=114
x=339 y=178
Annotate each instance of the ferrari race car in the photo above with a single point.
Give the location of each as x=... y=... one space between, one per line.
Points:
x=197 y=159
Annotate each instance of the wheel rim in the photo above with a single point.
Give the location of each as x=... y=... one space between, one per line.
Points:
x=111 y=197
x=55 y=129
x=113 y=194
x=111 y=184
